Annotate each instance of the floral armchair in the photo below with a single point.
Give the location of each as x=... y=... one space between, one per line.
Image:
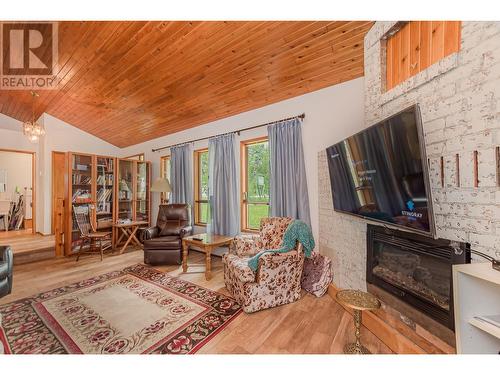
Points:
x=277 y=279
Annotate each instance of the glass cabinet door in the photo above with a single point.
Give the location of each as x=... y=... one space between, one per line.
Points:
x=142 y=198
x=125 y=190
x=81 y=190
x=105 y=174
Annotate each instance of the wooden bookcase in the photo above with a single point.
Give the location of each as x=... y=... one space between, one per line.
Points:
x=105 y=192
x=110 y=188
x=81 y=195
x=133 y=194
x=133 y=190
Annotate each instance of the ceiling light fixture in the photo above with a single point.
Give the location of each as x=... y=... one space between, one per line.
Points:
x=32 y=129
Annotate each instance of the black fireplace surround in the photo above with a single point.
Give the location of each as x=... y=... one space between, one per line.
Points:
x=416 y=269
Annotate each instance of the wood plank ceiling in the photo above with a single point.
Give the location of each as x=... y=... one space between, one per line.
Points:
x=129 y=82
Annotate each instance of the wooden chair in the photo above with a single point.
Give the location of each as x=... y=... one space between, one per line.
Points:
x=88 y=234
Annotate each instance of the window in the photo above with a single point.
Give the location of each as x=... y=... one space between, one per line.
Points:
x=255 y=183
x=201 y=207
x=417 y=45
x=165 y=173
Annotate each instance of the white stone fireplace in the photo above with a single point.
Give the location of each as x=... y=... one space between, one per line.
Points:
x=459 y=99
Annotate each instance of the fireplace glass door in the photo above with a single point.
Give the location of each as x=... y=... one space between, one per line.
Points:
x=424 y=275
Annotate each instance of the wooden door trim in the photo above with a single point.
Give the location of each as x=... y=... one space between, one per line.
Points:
x=33 y=182
x=52 y=222
x=59 y=238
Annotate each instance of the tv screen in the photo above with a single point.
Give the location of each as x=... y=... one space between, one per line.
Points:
x=381 y=173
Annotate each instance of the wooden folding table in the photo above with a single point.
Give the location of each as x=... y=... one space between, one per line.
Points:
x=128 y=231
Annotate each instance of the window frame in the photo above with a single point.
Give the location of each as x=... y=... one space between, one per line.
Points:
x=197 y=199
x=163 y=161
x=244 y=181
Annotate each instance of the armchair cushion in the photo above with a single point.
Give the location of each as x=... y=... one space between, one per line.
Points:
x=239 y=267
x=163 y=242
x=170 y=228
x=272 y=230
x=246 y=245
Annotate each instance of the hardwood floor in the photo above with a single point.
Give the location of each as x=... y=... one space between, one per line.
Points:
x=28 y=247
x=25 y=242
x=311 y=325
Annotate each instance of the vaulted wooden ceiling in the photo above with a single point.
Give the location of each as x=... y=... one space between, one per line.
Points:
x=128 y=82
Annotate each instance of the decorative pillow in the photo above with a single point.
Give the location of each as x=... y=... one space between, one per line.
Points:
x=170 y=228
x=317 y=274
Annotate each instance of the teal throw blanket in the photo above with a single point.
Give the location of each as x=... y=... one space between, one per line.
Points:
x=296 y=231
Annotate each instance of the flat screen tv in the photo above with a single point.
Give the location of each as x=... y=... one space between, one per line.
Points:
x=381 y=174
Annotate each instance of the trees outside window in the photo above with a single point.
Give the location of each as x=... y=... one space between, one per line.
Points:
x=165 y=173
x=201 y=206
x=255 y=182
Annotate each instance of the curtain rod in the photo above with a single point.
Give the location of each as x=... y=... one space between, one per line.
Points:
x=301 y=116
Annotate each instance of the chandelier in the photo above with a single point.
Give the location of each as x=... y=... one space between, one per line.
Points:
x=32 y=129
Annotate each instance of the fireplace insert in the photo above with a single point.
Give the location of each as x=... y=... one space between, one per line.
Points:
x=415 y=269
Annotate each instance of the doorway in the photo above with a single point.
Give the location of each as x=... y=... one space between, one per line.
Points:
x=17 y=193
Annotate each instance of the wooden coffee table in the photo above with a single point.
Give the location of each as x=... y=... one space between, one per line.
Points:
x=207 y=243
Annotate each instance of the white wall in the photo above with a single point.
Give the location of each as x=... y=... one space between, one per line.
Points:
x=332 y=114
x=11 y=136
x=60 y=136
x=18 y=168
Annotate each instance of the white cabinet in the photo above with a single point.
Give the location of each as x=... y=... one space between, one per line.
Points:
x=476 y=293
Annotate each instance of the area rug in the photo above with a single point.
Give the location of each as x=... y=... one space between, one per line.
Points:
x=136 y=310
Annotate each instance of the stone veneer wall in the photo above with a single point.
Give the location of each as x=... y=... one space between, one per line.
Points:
x=459 y=99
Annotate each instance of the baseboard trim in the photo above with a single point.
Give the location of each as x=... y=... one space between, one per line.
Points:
x=389 y=335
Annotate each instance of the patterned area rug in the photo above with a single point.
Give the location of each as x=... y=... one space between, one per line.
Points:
x=136 y=310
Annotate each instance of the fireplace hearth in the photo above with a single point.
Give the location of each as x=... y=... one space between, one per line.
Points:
x=416 y=269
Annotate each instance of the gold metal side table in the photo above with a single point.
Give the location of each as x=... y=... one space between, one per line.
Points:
x=358 y=301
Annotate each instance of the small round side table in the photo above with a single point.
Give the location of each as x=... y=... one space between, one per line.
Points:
x=358 y=301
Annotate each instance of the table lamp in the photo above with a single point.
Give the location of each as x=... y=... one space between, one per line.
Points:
x=161 y=185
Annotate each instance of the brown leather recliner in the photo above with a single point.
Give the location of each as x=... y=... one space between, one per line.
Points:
x=163 y=243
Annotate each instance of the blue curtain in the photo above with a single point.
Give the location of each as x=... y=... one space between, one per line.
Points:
x=288 y=185
x=223 y=186
x=181 y=161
